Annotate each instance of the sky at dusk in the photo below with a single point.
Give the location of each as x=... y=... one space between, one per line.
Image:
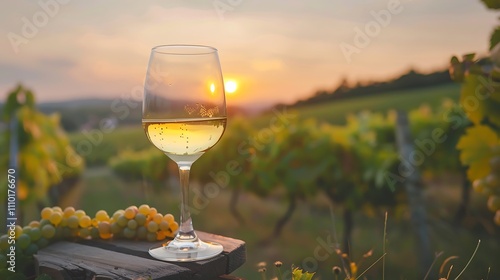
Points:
x=276 y=51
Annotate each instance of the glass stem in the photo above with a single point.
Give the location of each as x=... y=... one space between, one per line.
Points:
x=186 y=232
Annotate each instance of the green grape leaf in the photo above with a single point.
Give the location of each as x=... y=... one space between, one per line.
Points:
x=492 y=4
x=475 y=150
x=495 y=37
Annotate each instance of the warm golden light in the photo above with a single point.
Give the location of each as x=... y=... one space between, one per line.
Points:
x=212 y=88
x=231 y=86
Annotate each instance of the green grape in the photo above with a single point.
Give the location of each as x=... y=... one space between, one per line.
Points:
x=80 y=213
x=116 y=228
x=4 y=242
x=129 y=213
x=94 y=233
x=35 y=234
x=34 y=224
x=117 y=214
x=46 y=212
x=151 y=236
x=142 y=232
x=144 y=209
x=31 y=249
x=73 y=222
x=132 y=224
x=56 y=218
x=44 y=222
x=129 y=233
x=19 y=230
x=169 y=218
x=102 y=215
x=157 y=218
x=23 y=241
x=104 y=227
x=84 y=232
x=152 y=227
x=42 y=242
x=66 y=232
x=26 y=229
x=140 y=219
x=85 y=221
x=122 y=221
x=68 y=212
x=164 y=226
x=64 y=222
x=48 y=231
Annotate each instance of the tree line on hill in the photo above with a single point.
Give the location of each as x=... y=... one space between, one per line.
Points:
x=409 y=80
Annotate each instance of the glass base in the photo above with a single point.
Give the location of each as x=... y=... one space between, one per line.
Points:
x=182 y=251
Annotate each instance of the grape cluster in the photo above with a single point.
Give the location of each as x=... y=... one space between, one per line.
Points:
x=490 y=186
x=137 y=223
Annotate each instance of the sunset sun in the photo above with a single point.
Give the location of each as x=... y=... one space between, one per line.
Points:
x=231 y=86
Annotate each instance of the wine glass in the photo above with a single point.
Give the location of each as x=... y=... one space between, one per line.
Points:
x=184 y=115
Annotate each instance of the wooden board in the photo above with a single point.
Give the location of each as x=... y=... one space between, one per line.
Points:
x=123 y=259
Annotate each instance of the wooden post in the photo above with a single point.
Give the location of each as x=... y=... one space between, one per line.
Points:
x=413 y=185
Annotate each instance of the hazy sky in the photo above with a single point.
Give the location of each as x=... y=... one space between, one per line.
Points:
x=277 y=51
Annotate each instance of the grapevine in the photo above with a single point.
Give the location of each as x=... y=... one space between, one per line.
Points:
x=480 y=97
x=134 y=223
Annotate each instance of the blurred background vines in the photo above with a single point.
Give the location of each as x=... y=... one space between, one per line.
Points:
x=296 y=177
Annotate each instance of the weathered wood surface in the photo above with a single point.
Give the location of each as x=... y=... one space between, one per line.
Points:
x=123 y=259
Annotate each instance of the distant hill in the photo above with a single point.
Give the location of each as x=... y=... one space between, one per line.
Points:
x=89 y=113
x=409 y=80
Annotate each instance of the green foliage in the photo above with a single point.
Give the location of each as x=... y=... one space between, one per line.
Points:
x=150 y=164
x=293 y=159
x=45 y=156
x=105 y=145
x=492 y=4
x=477 y=148
x=480 y=97
x=232 y=155
x=495 y=37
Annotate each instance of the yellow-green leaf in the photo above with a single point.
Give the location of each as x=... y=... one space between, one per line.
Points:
x=298 y=274
x=475 y=150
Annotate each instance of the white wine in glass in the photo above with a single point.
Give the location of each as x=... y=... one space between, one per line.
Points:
x=184 y=115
